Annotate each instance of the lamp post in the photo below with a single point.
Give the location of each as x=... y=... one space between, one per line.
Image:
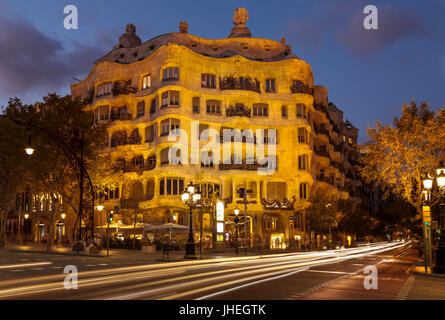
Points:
x=428 y=184
x=440 y=252
x=243 y=192
x=71 y=149
x=100 y=208
x=26 y=219
x=426 y=222
x=190 y=197
x=236 y=220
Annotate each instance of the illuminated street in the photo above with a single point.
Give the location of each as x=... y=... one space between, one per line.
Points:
x=281 y=276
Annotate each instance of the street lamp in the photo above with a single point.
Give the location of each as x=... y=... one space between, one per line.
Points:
x=29 y=151
x=440 y=252
x=100 y=208
x=242 y=193
x=428 y=184
x=236 y=220
x=191 y=198
x=26 y=219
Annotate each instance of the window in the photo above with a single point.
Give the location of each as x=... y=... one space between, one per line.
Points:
x=209 y=189
x=302 y=162
x=170 y=74
x=141 y=109
x=113 y=193
x=171 y=186
x=302 y=135
x=138 y=161
x=150 y=189
x=149 y=133
x=168 y=125
x=170 y=99
x=208 y=81
x=260 y=110
x=146 y=82
x=270 y=85
x=164 y=157
x=203 y=136
x=253 y=187
x=276 y=190
x=303 y=191
x=102 y=113
x=213 y=107
x=104 y=89
x=301 y=110
x=270 y=137
x=195 y=104
x=153 y=106
x=272 y=222
x=284 y=112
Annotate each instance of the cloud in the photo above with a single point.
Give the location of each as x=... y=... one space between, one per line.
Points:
x=393 y=25
x=31 y=61
x=343 y=21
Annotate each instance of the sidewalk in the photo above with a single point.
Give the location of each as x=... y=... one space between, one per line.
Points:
x=425 y=285
x=131 y=255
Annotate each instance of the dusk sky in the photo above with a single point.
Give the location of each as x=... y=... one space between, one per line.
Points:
x=369 y=74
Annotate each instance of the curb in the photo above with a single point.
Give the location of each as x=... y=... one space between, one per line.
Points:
x=61 y=253
x=421 y=274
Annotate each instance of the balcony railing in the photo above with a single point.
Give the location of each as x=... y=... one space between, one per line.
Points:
x=238 y=111
x=242 y=166
x=241 y=83
x=123 y=87
x=301 y=88
x=127 y=166
x=283 y=204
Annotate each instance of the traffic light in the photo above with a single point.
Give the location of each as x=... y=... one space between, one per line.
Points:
x=110 y=217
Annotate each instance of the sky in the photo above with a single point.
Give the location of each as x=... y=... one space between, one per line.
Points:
x=370 y=74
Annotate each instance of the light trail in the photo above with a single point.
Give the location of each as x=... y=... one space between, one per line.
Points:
x=24 y=265
x=253 y=269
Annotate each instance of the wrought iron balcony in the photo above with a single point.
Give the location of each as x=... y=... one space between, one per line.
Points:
x=241 y=83
x=238 y=111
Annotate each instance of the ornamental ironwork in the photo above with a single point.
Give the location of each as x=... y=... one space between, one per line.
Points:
x=123 y=87
x=241 y=83
x=284 y=204
x=239 y=110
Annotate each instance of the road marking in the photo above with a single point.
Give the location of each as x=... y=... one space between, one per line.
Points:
x=17 y=270
x=37 y=269
x=404 y=291
x=327 y=271
x=253 y=283
x=24 y=265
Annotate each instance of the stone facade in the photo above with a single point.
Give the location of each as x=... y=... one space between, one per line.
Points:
x=139 y=90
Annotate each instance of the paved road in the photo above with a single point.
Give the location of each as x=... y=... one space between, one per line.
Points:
x=281 y=276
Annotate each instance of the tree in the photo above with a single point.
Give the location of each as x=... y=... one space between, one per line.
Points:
x=323 y=214
x=63 y=138
x=397 y=156
x=12 y=167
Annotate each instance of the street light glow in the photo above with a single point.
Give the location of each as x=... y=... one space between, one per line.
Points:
x=29 y=151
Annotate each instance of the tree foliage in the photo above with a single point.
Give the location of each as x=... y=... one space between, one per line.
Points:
x=397 y=156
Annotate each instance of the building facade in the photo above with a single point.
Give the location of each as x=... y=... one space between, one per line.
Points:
x=178 y=82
